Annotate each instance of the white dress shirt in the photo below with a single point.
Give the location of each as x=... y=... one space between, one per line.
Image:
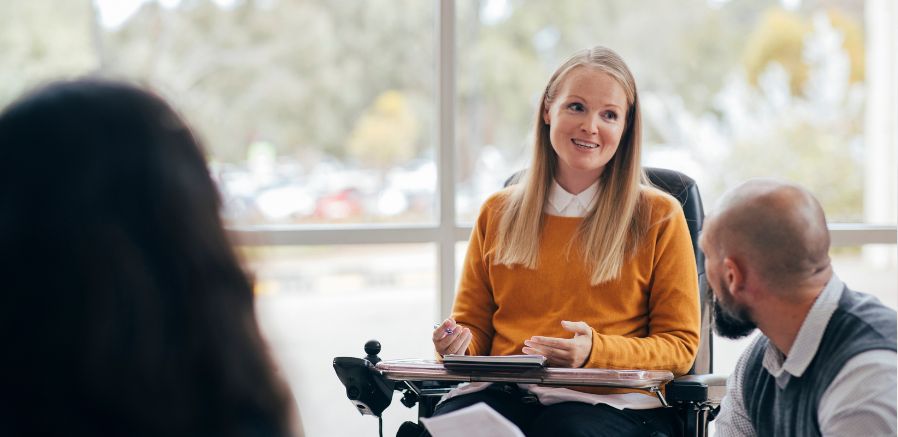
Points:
x=562 y=203
x=565 y=204
x=860 y=400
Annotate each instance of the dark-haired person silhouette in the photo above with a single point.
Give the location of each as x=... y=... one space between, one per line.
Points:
x=124 y=309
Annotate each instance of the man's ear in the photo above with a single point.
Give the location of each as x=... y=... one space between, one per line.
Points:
x=734 y=275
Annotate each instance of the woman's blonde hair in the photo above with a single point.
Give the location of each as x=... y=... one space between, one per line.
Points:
x=611 y=231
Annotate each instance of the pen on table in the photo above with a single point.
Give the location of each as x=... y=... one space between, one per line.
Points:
x=437 y=325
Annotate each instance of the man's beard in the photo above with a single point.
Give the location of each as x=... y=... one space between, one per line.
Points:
x=733 y=322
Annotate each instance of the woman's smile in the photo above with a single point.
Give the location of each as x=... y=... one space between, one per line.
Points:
x=587 y=145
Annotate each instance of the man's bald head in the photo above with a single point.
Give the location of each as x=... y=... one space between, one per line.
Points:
x=778 y=228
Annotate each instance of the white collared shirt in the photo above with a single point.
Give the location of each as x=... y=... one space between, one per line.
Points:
x=860 y=400
x=807 y=341
x=565 y=204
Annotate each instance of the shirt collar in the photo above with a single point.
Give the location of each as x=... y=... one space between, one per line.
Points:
x=809 y=335
x=567 y=204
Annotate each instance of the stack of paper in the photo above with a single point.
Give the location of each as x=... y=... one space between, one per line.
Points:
x=478 y=420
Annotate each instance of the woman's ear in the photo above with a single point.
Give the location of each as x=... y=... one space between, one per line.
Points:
x=546 y=118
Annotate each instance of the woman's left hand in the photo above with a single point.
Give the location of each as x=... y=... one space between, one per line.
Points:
x=563 y=352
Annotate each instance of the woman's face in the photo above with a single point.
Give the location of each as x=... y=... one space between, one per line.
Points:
x=586 y=121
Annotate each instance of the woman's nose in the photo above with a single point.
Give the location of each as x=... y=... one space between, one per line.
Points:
x=591 y=124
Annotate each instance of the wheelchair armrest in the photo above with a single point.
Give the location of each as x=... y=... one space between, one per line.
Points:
x=366 y=388
x=707 y=388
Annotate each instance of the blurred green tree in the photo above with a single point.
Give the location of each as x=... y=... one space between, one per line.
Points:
x=43 y=40
x=386 y=134
x=302 y=74
x=298 y=73
x=780 y=37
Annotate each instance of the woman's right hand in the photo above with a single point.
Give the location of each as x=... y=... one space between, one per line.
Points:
x=451 y=338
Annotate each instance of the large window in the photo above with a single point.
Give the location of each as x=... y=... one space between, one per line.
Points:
x=728 y=90
x=318 y=302
x=353 y=141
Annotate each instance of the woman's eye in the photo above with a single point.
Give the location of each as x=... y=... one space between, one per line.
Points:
x=576 y=107
x=611 y=115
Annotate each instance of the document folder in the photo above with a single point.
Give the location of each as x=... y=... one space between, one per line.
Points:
x=490 y=362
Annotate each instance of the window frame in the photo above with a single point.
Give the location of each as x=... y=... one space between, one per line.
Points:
x=446 y=233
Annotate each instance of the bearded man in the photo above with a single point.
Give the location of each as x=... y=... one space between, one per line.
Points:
x=825 y=362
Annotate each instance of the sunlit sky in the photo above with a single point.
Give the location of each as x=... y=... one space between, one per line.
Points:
x=115 y=12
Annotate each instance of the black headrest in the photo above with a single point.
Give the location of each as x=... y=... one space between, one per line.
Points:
x=683 y=188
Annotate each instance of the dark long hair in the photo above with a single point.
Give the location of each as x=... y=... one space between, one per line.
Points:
x=124 y=310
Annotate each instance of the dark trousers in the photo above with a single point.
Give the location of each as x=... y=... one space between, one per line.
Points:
x=567 y=419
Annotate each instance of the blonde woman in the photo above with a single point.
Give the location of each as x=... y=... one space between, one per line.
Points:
x=583 y=262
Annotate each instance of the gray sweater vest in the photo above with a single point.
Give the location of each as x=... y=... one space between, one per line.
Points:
x=859 y=324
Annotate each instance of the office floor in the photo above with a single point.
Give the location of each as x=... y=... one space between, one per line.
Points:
x=346 y=299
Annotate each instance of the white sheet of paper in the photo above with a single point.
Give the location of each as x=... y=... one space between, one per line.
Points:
x=478 y=420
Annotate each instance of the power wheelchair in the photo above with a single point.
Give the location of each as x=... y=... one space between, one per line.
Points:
x=370 y=382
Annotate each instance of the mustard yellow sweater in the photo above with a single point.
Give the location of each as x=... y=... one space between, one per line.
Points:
x=648 y=318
